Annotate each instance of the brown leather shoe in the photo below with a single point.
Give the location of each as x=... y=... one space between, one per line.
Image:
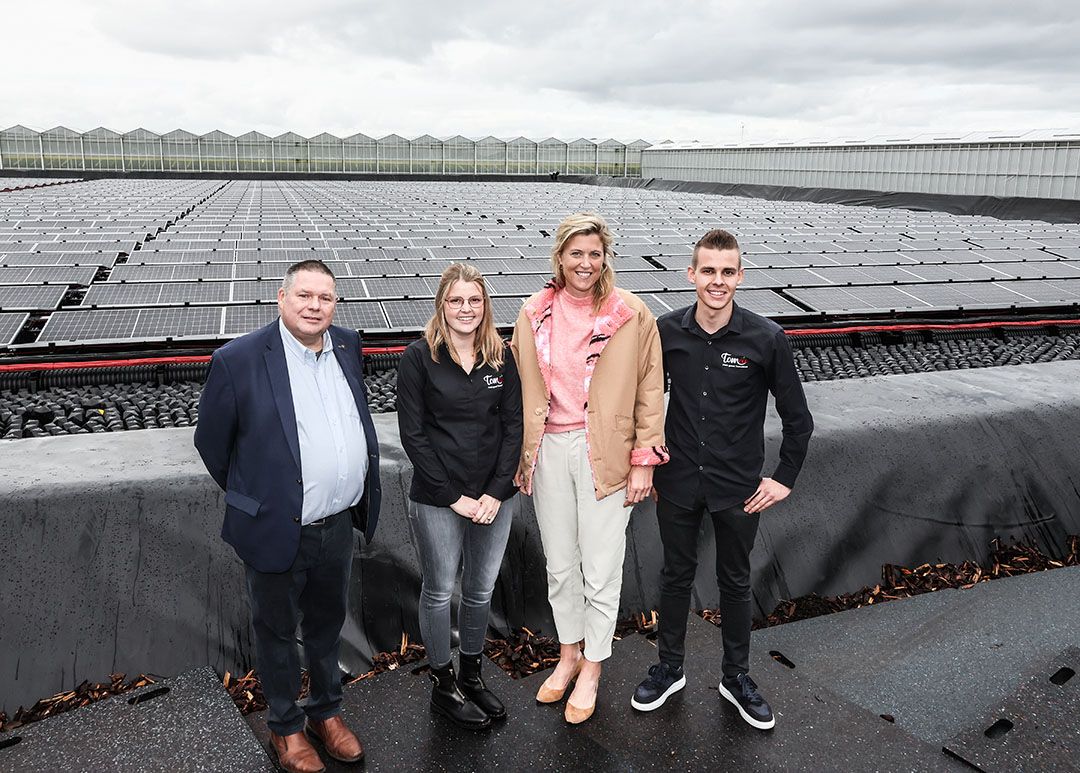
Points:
x=295 y=753
x=340 y=742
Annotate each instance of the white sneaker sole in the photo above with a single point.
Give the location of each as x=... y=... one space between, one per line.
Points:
x=748 y=719
x=675 y=687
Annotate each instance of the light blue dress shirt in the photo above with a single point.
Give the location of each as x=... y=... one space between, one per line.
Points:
x=333 y=449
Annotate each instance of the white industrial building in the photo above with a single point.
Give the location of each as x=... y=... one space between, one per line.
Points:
x=1039 y=164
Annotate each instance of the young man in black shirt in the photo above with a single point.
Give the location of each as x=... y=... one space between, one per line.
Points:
x=722 y=361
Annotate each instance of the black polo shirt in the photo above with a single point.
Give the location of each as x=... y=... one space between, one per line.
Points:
x=719 y=388
x=461 y=431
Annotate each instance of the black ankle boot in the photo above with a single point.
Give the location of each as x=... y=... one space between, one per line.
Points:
x=472 y=687
x=447 y=699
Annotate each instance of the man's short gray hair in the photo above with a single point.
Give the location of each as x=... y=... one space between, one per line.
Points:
x=305 y=265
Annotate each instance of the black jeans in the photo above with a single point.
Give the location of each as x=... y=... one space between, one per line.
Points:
x=735 y=533
x=314 y=593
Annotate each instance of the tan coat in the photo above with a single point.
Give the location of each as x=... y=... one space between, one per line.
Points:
x=624 y=381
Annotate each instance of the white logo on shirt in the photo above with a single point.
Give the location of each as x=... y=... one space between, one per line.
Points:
x=493 y=382
x=731 y=361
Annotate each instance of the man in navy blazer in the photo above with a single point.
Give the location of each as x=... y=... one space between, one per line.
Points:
x=284 y=429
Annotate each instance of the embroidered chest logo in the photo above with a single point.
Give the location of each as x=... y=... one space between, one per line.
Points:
x=731 y=361
x=493 y=382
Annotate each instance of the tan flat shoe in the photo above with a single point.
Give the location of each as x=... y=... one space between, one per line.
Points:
x=575 y=715
x=549 y=694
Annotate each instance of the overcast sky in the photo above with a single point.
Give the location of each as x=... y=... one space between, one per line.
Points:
x=712 y=71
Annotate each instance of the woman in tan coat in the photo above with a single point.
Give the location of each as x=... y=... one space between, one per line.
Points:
x=589 y=359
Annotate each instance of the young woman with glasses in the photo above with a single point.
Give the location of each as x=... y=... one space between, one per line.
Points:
x=459 y=413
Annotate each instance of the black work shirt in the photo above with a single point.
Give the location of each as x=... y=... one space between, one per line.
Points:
x=719 y=387
x=461 y=431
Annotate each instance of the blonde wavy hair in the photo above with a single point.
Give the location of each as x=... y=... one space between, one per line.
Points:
x=488 y=346
x=584 y=224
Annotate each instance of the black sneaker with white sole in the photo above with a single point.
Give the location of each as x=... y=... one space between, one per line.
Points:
x=664 y=680
x=743 y=694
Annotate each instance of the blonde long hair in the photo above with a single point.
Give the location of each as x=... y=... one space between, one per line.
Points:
x=487 y=345
x=584 y=224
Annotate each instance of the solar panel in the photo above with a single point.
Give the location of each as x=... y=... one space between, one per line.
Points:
x=361 y=315
x=273 y=270
x=157 y=293
x=31 y=297
x=397 y=287
x=976 y=272
x=243 y=319
x=524 y=266
x=1071 y=253
x=931 y=244
x=856 y=299
x=405 y=315
x=1047 y=291
x=102 y=259
x=1010 y=256
x=88 y=326
x=1006 y=244
x=640 y=281
x=938 y=257
x=623 y=251
x=767 y=303
x=460 y=253
x=947 y=296
x=178 y=323
x=655 y=303
x=164 y=272
x=30 y=275
x=265 y=290
x=782 y=277
x=86 y=246
x=516 y=284
x=412 y=267
x=633 y=263
x=10 y=325
x=349 y=288
x=505 y=310
x=388 y=253
x=1042 y=269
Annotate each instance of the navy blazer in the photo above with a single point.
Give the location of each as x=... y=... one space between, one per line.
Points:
x=246 y=436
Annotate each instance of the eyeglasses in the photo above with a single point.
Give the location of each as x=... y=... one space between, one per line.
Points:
x=457 y=303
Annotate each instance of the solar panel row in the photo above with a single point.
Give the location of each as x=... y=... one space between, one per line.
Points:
x=213 y=322
x=204 y=258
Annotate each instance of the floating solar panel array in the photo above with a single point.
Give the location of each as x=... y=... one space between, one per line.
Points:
x=151 y=260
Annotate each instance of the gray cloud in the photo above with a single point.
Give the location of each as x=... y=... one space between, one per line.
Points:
x=781 y=66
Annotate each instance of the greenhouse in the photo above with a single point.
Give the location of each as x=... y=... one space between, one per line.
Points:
x=142 y=150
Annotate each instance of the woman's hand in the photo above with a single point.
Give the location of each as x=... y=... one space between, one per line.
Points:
x=523 y=484
x=487 y=510
x=638 y=485
x=466 y=507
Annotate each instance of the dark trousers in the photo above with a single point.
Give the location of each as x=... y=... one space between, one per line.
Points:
x=313 y=593
x=735 y=533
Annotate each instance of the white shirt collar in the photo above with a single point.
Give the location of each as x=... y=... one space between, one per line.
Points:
x=292 y=343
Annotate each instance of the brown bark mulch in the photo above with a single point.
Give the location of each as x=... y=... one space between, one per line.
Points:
x=525 y=652
x=899 y=582
x=248 y=696
x=83 y=695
